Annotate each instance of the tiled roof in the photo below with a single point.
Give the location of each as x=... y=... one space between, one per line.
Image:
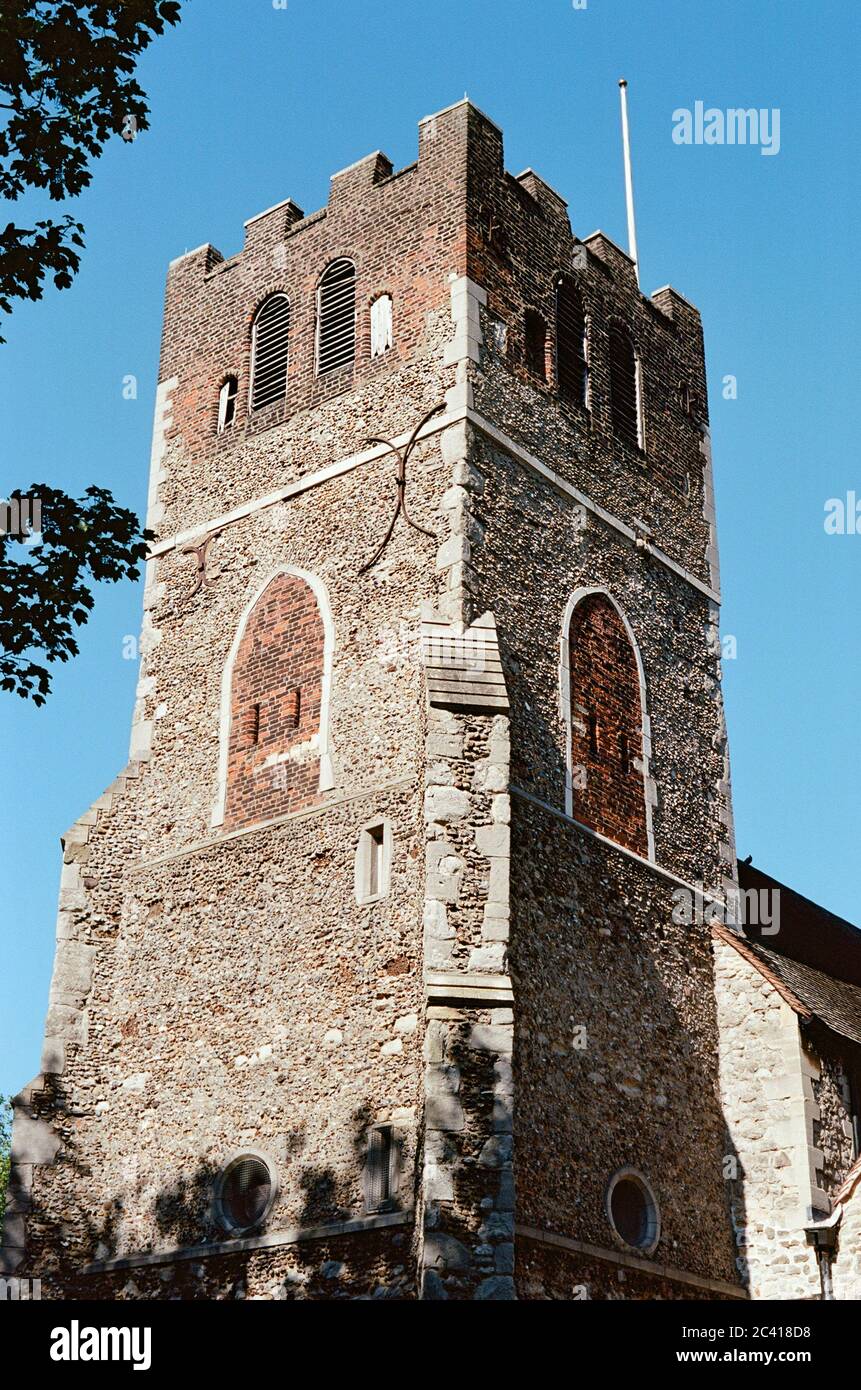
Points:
x=746 y=949
x=848 y=1183
x=836 y=1003
x=807 y=932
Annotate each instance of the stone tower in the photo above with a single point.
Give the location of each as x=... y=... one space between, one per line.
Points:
x=368 y=981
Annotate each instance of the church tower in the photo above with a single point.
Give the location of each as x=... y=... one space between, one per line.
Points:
x=369 y=979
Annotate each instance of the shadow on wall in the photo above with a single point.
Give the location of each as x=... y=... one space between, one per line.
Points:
x=616 y=1062
x=594 y=948
x=374 y=1264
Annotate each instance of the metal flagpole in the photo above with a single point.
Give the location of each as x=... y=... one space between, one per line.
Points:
x=629 y=181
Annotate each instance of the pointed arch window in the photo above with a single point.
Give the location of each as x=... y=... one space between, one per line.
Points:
x=626 y=403
x=275 y=706
x=606 y=724
x=270 y=348
x=336 y=317
x=572 y=371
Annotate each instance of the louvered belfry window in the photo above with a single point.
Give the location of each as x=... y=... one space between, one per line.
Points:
x=625 y=388
x=380 y=1168
x=571 y=364
x=336 y=317
x=270 y=350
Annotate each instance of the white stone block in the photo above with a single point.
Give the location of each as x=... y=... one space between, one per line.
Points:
x=445 y=805
x=493 y=841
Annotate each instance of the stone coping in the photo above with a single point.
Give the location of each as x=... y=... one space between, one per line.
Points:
x=619 y=1257
x=329 y=803
x=465 y=986
x=299 y=485
x=271 y=1240
x=694 y=888
x=562 y=485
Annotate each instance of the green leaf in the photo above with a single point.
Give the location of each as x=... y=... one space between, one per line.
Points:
x=66 y=74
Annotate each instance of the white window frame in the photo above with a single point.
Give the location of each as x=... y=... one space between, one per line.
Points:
x=223 y=399
x=365 y=850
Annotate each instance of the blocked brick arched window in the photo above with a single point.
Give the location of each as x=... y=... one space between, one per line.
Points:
x=606 y=721
x=276 y=697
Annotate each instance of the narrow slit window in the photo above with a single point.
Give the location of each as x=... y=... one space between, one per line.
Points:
x=336 y=317
x=381 y=1168
x=294 y=707
x=381 y=325
x=270 y=352
x=250 y=725
x=624 y=754
x=227 y=403
x=375 y=861
x=592 y=727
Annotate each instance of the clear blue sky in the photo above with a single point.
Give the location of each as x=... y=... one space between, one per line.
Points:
x=252 y=104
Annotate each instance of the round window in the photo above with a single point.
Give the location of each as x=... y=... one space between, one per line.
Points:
x=633 y=1211
x=246 y=1193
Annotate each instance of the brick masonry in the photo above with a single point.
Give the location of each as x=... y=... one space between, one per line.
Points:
x=607 y=725
x=273 y=760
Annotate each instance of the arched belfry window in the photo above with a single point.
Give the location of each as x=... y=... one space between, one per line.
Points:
x=572 y=371
x=535 y=343
x=608 y=732
x=626 y=405
x=270 y=346
x=336 y=317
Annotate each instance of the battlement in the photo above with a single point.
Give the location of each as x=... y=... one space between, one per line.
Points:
x=460 y=141
x=402 y=238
